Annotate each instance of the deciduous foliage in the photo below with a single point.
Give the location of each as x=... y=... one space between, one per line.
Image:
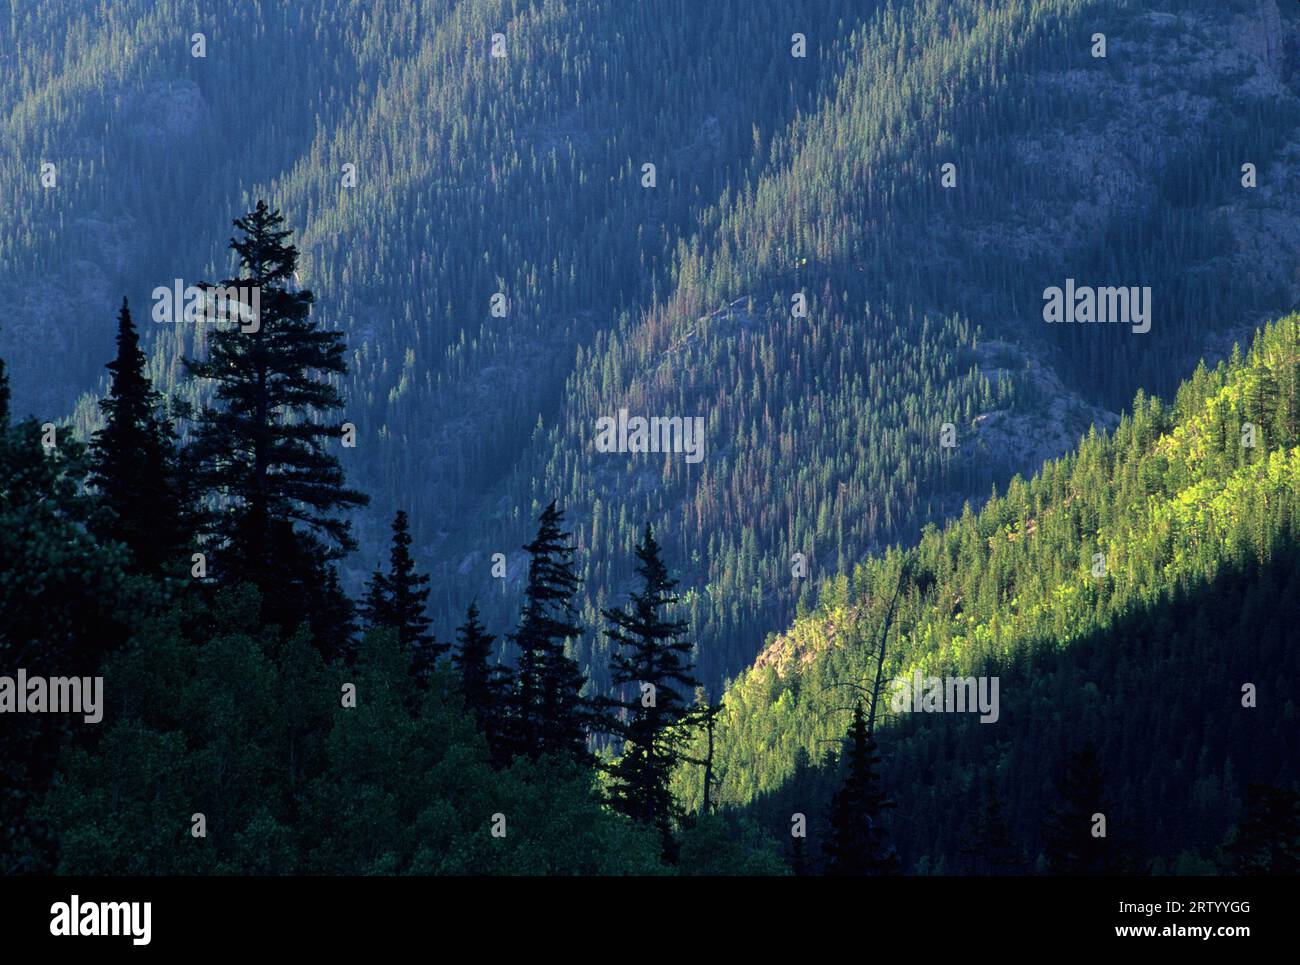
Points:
x=65 y=600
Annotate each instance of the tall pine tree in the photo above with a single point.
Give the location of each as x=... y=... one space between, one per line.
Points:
x=650 y=668
x=397 y=600
x=549 y=715
x=483 y=682
x=134 y=463
x=263 y=446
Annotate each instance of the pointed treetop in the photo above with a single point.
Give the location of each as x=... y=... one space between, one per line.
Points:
x=262 y=251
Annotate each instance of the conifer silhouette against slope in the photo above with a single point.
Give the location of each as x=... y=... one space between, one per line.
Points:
x=374 y=604
x=482 y=681
x=263 y=445
x=134 y=462
x=549 y=713
x=1072 y=847
x=397 y=600
x=858 y=843
x=650 y=668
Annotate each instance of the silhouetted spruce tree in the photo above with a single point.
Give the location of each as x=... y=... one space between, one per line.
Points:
x=650 y=669
x=1071 y=835
x=333 y=608
x=482 y=682
x=134 y=464
x=1267 y=839
x=397 y=600
x=549 y=713
x=858 y=843
x=373 y=608
x=262 y=447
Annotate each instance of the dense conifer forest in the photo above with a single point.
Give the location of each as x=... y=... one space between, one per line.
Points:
x=367 y=591
x=1137 y=596
x=522 y=176
x=1140 y=585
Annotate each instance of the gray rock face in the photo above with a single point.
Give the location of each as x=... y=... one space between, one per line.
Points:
x=1045 y=428
x=1128 y=127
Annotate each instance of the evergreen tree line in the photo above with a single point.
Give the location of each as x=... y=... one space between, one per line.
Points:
x=776 y=174
x=189 y=557
x=206 y=553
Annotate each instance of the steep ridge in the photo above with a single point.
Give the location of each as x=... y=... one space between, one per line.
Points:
x=1127 y=594
x=475 y=175
x=824 y=432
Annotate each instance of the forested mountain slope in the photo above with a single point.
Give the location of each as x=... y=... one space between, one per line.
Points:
x=826 y=429
x=522 y=175
x=475 y=175
x=1139 y=593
